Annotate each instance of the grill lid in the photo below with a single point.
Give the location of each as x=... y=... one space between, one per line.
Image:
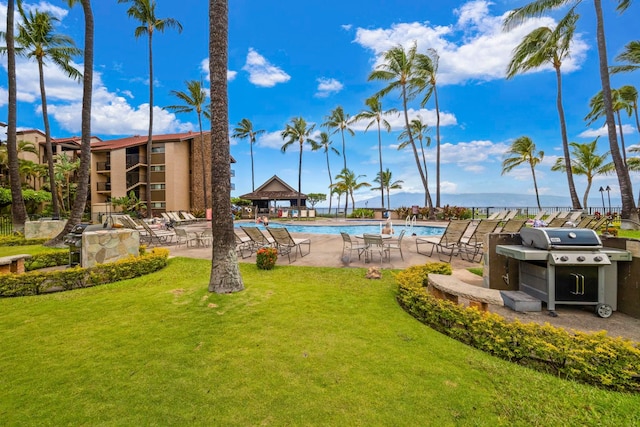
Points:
x=560 y=238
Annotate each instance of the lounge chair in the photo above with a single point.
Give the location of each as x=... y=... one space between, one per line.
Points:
x=151 y=235
x=557 y=222
x=258 y=239
x=312 y=213
x=510 y=215
x=449 y=242
x=243 y=244
x=287 y=244
x=375 y=243
x=498 y=215
x=584 y=222
x=349 y=245
x=550 y=217
x=285 y=213
x=304 y=214
x=395 y=244
x=294 y=213
x=513 y=226
x=473 y=246
x=186 y=237
x=598 y=224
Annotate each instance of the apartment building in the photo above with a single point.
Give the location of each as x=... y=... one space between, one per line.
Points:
x=120 y=166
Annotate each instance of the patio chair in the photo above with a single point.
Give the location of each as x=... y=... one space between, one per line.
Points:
x=598 y=224
x=473 y=246
x=312 y=213
x=510 y=215
x=584 y=222
x=243 y=243
x=304 y=214
x=287 y=244
x=498 y=215
x=258 y=239
x=557 y=222
x=351 y=245
x=185 y=237
x=513 y=226
x=206 y=237
x=375 y=243
x=449 y=242
x=550 y=217
x=395 y=244
x=285 y=213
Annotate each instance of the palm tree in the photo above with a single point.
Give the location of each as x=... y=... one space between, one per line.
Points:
x=225 y=274
x=244 y=129
x=629 y=94
x=339 y=191
x=325 y=144
x=36 y=39
x=523 y=150
x=399 y=69
x=347 y=182
x=297 y=131
x=428 y=65
x=375 y=114
x=194 y=100
x=18 y=209
x=389 y=185
x=586 y=162
x=538 y=8
x=419 y=129
x=339 y=121
x=631 y=56
x=597 y=111
x=144 y=11
x=65 y=168
x=548 y=46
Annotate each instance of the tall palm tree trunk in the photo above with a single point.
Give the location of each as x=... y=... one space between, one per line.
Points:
x=204 y=167
x=330 y=180
x=411 y=140
x=299 y=179
x=535 y=186
x=435 y=94
x=575 y=202
x=253 y=183
x=380 y=157
x=48 y=145
x=622 y=145
x=427 y=194
x=344 y=152
x=225 y=274
x=624 y=181
x=18 y=210
x=150 y=135
x=82 y=194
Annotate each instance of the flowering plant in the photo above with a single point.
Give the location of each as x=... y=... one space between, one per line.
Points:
x=266 y=258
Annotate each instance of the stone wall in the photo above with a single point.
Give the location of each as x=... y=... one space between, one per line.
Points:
x=103 y=246
x=46 y=229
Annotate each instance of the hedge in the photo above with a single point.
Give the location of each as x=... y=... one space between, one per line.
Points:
x=19 y=240
x=34 y=283
x=591 y=358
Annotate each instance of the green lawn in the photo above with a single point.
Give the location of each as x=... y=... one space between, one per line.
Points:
x=300 y=346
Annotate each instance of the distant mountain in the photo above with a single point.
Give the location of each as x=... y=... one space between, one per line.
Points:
x=497 y=200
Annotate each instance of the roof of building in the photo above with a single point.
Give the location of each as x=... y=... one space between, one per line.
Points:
x=274 y=189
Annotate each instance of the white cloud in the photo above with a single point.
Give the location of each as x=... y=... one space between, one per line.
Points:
x=346 y=27
x=482 y=54
x=603 y=131
x=396 y=121
x=474 y=152
x=4 y=97
x=270 y=140
x=327 y=87
x=231 y=75
x=262 y=72
x=44 y=6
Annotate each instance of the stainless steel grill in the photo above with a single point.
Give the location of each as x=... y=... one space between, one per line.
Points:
x=73 y=239
x=567 y=266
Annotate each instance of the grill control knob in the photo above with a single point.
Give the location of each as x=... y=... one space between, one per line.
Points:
x=597 y=258
x=580 y=258
x=564 y=258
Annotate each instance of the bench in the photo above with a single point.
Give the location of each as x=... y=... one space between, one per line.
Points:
x=453 y=289
x=13 y=263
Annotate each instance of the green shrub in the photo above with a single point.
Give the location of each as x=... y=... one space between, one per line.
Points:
x=51 y=258
x=34 y=283
x=362 y=213
x=453 y=212
x=596 y=359
x=19 y=240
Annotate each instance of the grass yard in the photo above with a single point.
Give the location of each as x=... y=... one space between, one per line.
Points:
x=300 y=346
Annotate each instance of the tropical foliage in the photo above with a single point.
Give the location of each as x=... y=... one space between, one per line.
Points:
x=523 y=150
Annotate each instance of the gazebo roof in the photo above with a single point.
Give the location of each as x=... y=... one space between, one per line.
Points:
x=274 y=189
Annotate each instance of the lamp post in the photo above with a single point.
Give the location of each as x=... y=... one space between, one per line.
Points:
x=608 y=190
x=601 y=190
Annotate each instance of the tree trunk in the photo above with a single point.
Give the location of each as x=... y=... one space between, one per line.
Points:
x=626 y=190
x=344 y=151
x=225 y=273
x=299 y=179
x=18 y=210
x=411 y=140
x=330 y=179
x=622 y=146
x=380 y=157
x=435 y=94
x=535 y=186
x=48 y=145
x=82 y=194
x=251 y=141
x=427 y=194
x=575 y=202
x=150 y=135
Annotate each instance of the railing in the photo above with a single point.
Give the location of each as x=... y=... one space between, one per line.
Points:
x=104 y=186
x=133 y=159
x=6 y=225
x=134 y=179
x=103 y=166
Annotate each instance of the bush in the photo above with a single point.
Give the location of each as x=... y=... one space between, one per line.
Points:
x=453 y=212
x=35 y=283
x=19 y=240
x=596 y=359
x=266 y=258
x=362 y=213
x=51 y=258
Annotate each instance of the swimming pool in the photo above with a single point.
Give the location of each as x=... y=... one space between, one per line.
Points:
x=420 y=230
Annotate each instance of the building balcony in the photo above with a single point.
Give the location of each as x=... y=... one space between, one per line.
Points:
x=103 y=167
x=104 y=186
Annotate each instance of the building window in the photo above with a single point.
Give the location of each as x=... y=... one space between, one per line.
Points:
x=158 y=205
x=157 y=148
x=157 y=168
x=157 y=186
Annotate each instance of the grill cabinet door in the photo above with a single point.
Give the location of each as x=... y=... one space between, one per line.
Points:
x=577 y=283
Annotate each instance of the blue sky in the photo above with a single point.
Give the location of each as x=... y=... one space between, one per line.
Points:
x=292 y=58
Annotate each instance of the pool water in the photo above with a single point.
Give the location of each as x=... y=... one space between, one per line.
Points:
x=420 y=230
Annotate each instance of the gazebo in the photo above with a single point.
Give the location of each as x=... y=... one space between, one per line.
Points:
x=276 y=190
